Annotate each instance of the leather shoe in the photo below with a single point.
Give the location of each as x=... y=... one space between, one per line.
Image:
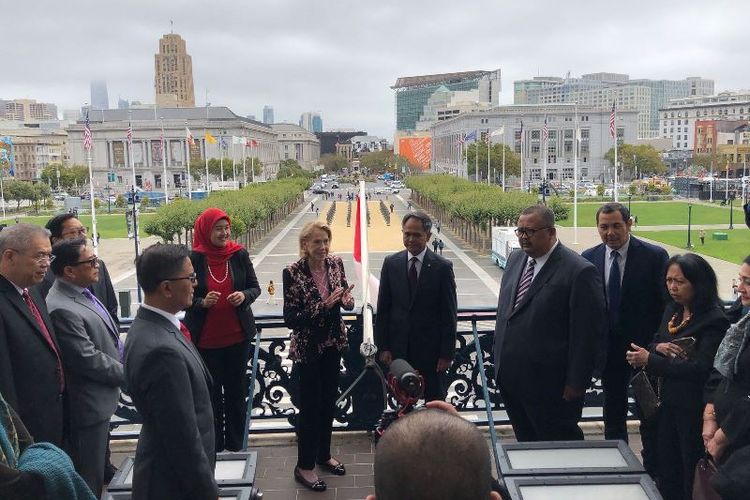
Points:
x=318 y=485
x=336 y=470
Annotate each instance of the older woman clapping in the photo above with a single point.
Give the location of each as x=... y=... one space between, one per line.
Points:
x=315 y=289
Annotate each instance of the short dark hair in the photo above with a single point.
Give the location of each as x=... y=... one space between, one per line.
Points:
x=746 y=260
x=432 y=454
x=609 y=208
x=56 y=223
x=159 y=262
x=67 y=253
x=545 y=213
x=702 y=277
x=418 y=214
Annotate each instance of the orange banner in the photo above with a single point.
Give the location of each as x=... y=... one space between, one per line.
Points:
x=418 y=150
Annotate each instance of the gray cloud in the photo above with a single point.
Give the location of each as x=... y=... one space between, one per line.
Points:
x=339 y=57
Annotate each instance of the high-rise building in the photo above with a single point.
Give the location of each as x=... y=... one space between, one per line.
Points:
x=317 y=123
x=122 y=103
x=311 y=121
x=27 y=110
x=99 y=96
x=268 y=114
x=414 y=92
x=173 y=81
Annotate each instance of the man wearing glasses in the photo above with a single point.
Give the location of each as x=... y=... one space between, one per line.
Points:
x=550 y=320
x=169 y=384
x=32 y=379
x=90 y=346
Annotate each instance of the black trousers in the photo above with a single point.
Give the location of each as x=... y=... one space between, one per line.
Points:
x=679 y=447
x=553 y=419
x=319 y=387
x=86 y=446
x=436 y=384
x=228 y=368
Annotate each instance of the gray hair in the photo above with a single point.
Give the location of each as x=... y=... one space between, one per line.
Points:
x=422 y=217
x=18 y=236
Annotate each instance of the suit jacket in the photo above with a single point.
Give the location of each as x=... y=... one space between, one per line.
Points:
x=551 y=339
x=423 y=326
x=243 y=280
x=102 y=289
x=643 y=295
x=90 y=356
x=171 y=389
x=29 y=379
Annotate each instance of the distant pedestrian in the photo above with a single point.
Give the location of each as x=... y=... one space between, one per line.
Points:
x=441 y=245
x=312 y=206
x=702 y=236
x=18 y=220
x=435 y=245
x=408 y=205
x=98 y=237
x=317 y=210
x=391 y=207
x=437 y=226
x=271 y=293
x=635 y=220
x=734 y=289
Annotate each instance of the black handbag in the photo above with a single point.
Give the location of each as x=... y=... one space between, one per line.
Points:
x=705 y=469
x=645 y=395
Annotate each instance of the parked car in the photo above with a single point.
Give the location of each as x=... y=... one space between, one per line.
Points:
x=394 y=190
x=60 y=196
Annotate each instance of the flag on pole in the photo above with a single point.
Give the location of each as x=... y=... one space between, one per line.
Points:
x=130 y=134
x=238 y=140
x=545 y=130
x=520 y=135
x=161 y=143
x=210 y=139
x=87 y=133
x=470 y=137
x=612 y=121
x=251 y=143
x=373 y=283
x=223 y=142
x=189 y=137
x=497 y=132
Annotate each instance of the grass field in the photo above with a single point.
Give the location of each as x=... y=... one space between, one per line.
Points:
x=736 y=248
x=108 y=226
x=660 y=213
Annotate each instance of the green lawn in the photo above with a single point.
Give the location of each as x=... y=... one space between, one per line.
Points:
x=735 y=249
x=659 y=213
x=108 y=226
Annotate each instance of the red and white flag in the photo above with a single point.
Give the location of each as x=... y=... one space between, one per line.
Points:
x=251 y=143
x=189 y=137
x=612 y=117
x=373 y=283
x=130 y=134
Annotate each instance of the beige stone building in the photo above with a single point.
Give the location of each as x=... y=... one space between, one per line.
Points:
x=34 y=148
x=296 y=143
x=25 y=110
x=173 y=80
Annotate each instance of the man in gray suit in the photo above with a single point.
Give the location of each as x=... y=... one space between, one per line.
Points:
x=169 y=384
x=550 y=320
x=89 y=345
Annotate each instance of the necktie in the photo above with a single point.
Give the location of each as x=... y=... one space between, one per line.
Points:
x=525 y=283
x=413 y=278
x=45 y=332
x=104 y=314
x=613 y=289
x=186 y=332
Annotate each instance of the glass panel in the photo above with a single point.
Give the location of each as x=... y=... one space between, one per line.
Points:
x=571 y=458
x=584 y=492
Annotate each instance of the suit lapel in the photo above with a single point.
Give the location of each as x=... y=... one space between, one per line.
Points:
x=424 y=274
x=629 y=273
x=17 y=301
x=80 y=299
x=547 y=271
x=513 y=277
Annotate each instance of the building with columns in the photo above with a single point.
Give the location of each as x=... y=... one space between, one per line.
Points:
x=296 y=143
x=111 y=155
x=448 y=148
x=35 y=146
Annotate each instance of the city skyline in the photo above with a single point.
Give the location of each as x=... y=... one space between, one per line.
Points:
x=313 y=60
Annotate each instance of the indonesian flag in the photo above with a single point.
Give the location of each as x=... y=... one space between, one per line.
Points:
x=189 y=137
x=371 y=294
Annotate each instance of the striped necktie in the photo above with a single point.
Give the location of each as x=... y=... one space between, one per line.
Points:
x=525 y=283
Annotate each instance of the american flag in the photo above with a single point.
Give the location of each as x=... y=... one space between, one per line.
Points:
x=520 y=136
x=545 y=130
x=87 y=134
x=161 y=143
x=130 y=134
x=612 y=121
x=189 y=136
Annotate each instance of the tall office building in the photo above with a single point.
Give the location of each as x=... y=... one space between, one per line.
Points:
x=99 y=96
x=173 y=81
x=311 y=121
x=268 y=114
x=414 y=92
x=317 y=123
x=27 y=110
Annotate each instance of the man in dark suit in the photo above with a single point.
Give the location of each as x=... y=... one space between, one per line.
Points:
x=32 y=379
x=416 y=316
x=90 y=343
x=169 y=384
x=550 y=320
x=66 y=227
x=632 y=272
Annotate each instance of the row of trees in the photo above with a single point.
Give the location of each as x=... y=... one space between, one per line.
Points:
x=375 y=163
x=637 y=159
x=512 y=160
x=248 y=208
x=20 y=191
x=223 y=168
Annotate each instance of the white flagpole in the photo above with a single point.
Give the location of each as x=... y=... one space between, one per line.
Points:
x=136 y=226
x=367 y=335
x=2 y=191
x=476 y=154
x=205 y=145
x=521 y=141
x=577 y=138
x=91 y=194
x=489 y=141
x=615 y=134
x=545 y=146
x=252 y=163
x=503 y=159
x=234 y=168
x=187 y=162
x=164 y=162
x=244 y=163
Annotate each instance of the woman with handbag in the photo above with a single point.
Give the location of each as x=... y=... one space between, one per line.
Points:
x=681 y=356
x=726 y=417
x=315 y=290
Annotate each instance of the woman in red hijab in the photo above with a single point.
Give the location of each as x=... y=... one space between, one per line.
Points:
x=221 y=321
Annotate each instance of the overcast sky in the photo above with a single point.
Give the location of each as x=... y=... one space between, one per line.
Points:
x=340 y=57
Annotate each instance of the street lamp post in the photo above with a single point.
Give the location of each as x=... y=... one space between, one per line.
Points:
x=630 y=197
x=731 y=211
x=690 y=219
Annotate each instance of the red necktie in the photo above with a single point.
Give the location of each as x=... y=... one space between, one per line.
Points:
x=45 y=332
x=186 y=332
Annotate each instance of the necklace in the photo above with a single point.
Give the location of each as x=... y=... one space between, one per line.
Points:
x=226 y=274
x=674 y=330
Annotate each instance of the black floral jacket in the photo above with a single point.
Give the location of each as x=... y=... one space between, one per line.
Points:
x=313 y=326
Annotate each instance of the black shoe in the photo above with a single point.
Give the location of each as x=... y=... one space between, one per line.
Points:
x=318 y=485
x=336 y=470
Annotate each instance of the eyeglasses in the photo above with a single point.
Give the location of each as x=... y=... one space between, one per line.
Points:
x=744 y=281
x=529 y=232
x=40 y=257
x=93 y=262
x=192 y=277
